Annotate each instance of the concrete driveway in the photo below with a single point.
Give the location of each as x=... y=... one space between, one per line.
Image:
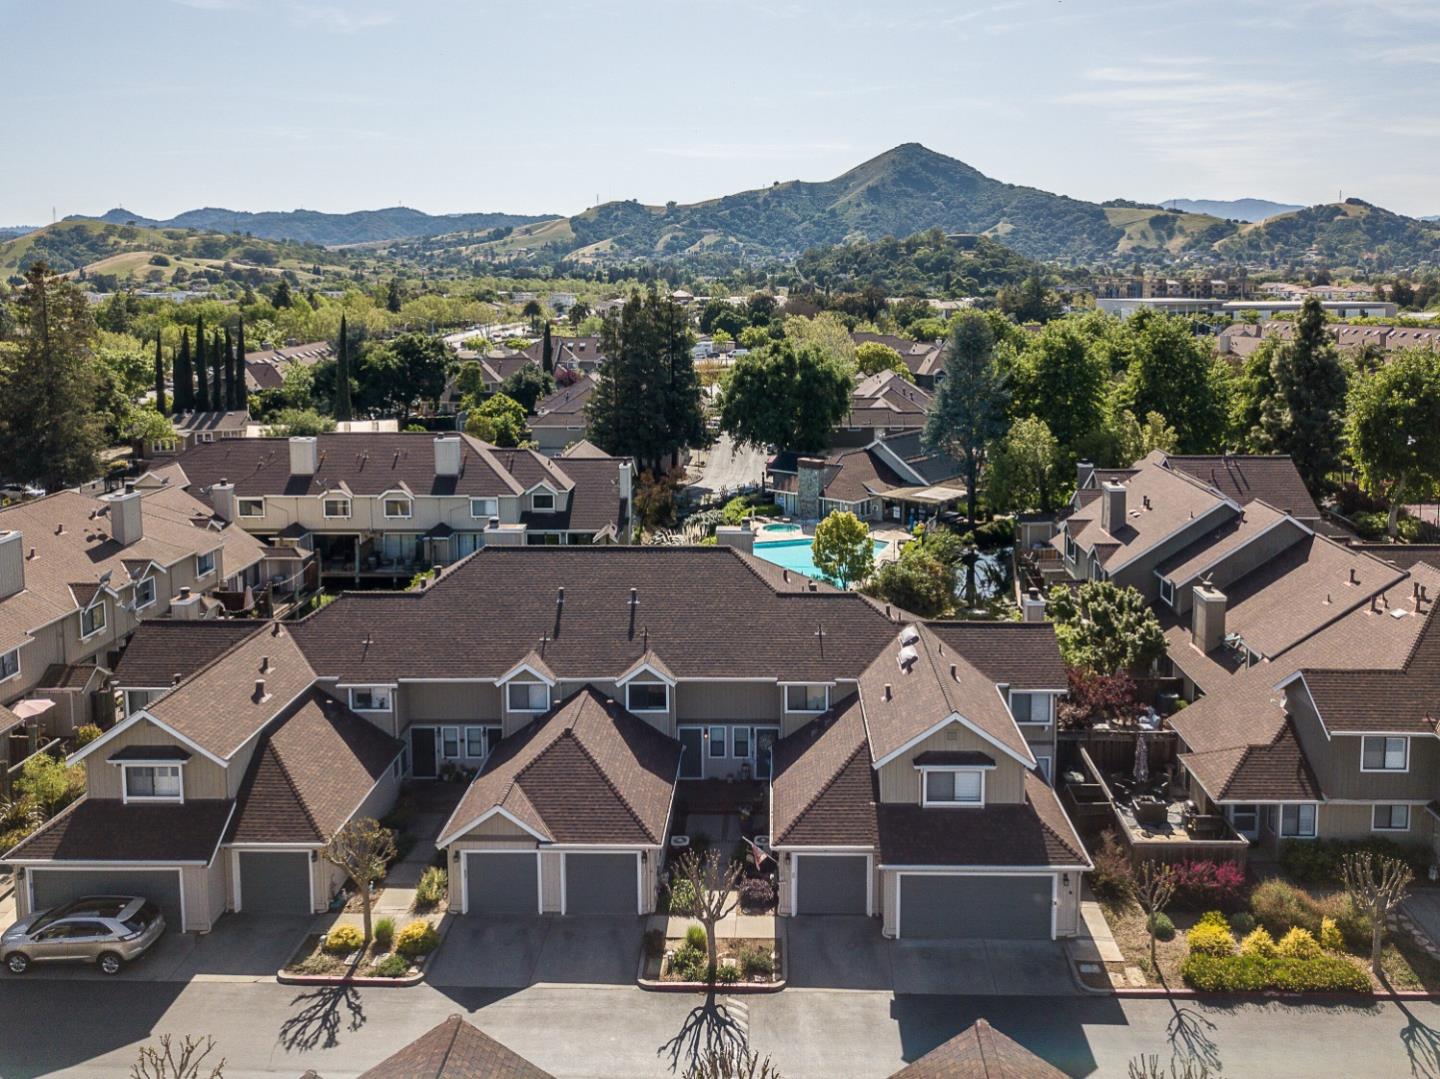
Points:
x=849 y=953
x=491 y=951
x=241 y=947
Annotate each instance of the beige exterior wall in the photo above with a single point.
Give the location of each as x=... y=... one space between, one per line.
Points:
x=1336 y=759
x=900 y=781
x=217 y=878
x=196 y=882
x=1238 y=563
x=552 y=893
x=367 y=514
x=1349 y=821
x=703 y=702
x=448 y=702
x=202 y=778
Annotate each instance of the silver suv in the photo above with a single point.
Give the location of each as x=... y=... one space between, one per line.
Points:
x=108 y=930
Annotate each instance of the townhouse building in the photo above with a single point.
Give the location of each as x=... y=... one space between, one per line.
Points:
x=904 y=764
x=385 y=505
x=79 y=573
x=560 y=421
x=925 y=359
x=890 y=479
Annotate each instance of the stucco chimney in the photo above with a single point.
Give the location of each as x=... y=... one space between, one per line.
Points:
x=12 y=564
x=627 y=478
x=127 y=523
x=1207 y=619
x=737 y=536
x=1083 y=471
x=447 y=455
x=1112 y=507
x=222 y=499
x=1032 y=605
x=304 y=455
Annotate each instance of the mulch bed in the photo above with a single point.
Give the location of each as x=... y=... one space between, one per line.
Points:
x=312 y=960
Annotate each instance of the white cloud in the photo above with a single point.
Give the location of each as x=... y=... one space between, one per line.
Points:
x=337 y=20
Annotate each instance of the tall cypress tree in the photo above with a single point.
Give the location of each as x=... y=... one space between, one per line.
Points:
x=343 y=408
x=1304 y=415
x=231 y=400
x=202 y=372
x=184 y=376
x=969 y=410
x=242 y=392
x=217 y=373
x=547 y=352
x=159 y=379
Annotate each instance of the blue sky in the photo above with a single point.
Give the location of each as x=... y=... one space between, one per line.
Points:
x=543 y=105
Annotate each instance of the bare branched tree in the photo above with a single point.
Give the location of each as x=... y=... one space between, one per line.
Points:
x=712 y=884
x=170 y=1061
x=732 y=1062
x=1154 y=888
x=1151 y=1068
x=363 y=850
x=1377 y=884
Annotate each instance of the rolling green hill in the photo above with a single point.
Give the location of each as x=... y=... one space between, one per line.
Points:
x=1351 y=233
x=926 y=264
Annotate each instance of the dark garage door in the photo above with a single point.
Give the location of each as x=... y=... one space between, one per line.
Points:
x=50 y=887
x=601 y=884
x=956 y=907
x=275 y=882
x=830 y=884
x=503 y=883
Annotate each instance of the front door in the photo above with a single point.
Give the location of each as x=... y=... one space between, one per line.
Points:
x=765 y=739
x=422 y=745
x=692 y=757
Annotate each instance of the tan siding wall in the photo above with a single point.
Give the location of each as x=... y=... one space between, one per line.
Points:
x=1336 y=760
x=1353 y=822
x=1141 y=574
x=216 y=879
x=552 y=894
x=449 y=702
x=328 y=880
x=496 y=827
x=195 y=882
x=704 y=701
x=367 y=514
x=900 y=782
x=203 y=778
x=890 y=892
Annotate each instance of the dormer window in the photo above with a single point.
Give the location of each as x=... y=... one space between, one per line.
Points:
x=205 y=564
x=527 y=696
x=543 y=502
x=647 y=697
x=1167 y=591
x=398 y=508
x=337 y=508
x=152 y=783
x=370 y=698
x=807 y=698
x=953 y=786
x=144 y=592
x=1069 y=548
x=9 y=664
x=92 y=620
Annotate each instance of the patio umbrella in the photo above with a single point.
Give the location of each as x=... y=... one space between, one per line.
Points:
x=35 y=706
x=1142 y=759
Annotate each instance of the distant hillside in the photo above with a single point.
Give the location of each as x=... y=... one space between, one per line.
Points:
x=70 y=244
x=1351 y=233
x=312 y=226
x=8 y=232
x=926 y=264
x=1232 y=209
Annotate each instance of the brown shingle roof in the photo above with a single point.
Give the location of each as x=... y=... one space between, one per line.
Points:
x=164 y=647
x=980 y=1052
x=455 y=1050
x=505 y=597
x=565 y=407
x=108 y=830
x=587 y=772
x=1022 y=655
x=1277 y=770
x=1245 y=478
x=824 y=788
x=310 y=774
x=1034 y=832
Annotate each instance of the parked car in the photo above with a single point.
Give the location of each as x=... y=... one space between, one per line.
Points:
x=108 y=930
x=17 y=492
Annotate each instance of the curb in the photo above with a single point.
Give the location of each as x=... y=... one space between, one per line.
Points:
x=357 y=981
x=1274 y=994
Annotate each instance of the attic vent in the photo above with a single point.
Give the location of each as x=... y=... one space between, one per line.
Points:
x=908 y=656
x=909 y=635
x=953 y=734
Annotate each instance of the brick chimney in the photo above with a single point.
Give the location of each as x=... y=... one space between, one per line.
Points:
x=1112 y=507
x=304 y=455
x=1207 y=618
x=127 y=523
x=809 y=483
x=12 y=564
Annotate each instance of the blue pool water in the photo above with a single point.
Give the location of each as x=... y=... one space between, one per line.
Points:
x=795 y=555
x=780 y=528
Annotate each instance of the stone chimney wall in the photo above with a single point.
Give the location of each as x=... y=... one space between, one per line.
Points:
x=809 y=484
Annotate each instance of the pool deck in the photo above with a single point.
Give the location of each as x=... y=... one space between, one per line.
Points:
x=893 y=538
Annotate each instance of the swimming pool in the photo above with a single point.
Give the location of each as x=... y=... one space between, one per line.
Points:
x=794 y=554
x=780 y=527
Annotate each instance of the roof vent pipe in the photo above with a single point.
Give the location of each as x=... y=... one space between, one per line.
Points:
x=887 y=691
x=560 y=596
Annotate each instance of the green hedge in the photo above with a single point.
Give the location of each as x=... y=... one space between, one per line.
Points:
x=1248 y=972
x=1317 y=861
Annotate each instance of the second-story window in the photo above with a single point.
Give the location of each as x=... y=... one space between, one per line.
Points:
x=484 y=508
x=527 y=696
x=370 y=698
x=647 y=696
x=144 y=592
x=954 y=787
x=92 y=620
x=1069 y=548
x=1030 y=707
x=250 y=507
x=1380 y=753
x=9 y=664
x=205 y=564
x=152 y=782
x=1167 y=591
x=337 y=507
x=807 y=698
x=542 y=502
x=397 y=508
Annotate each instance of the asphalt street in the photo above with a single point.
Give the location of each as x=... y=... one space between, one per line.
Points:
x=86 y=1028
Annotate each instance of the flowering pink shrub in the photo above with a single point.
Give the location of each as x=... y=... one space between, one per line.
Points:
x=1207 y=885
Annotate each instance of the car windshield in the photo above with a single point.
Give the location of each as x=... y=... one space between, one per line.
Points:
x=142 y=918
x=94 y=906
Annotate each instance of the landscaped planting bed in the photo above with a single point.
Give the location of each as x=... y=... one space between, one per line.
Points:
x=743 y=961
x=342 y=953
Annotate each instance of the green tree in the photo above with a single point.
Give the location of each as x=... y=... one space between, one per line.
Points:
x=1061 y=377
x=918 y=582
x=343 y=408
x=242 y=391
x=294 y=422
x=646 y=402
x=828 y=332
x=1029 y=301
x=159 y=379
x=397 y=376
x=50 y=432
x=723 y=315
x=1392 y=428
x=1169 y=370
x=785 y=395
x=1103 y=628
x=547 y=354
x=1025 y=470
x=1254 y=386
x=500 y=420
x=393 y=300
x=1134 y=440
x=533 y=312
x=528 y=385
x=1304 y=415
x=218 y=362
x=872 y=357
x=232 y=394
x=281 y=297
x=145 y=426
x=202 y=370
x=50 y=782
x=969 y=409
x=184 y=376
x=842 y=549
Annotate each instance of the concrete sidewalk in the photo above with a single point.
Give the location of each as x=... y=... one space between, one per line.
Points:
x=734 y=926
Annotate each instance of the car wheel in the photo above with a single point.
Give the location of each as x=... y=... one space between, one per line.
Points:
x=17 y=962
x=110 y=963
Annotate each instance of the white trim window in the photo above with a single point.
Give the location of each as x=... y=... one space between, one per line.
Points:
x=543 y=502
x=740 y=743
x=1030 y=707
x=336 y=509
x=152 y=783
x=370 y=698
x=952 y=787
x=1042 y=765
x=144 y=593
x=1069 y=548
x=1384 y=753
x=205 y=564
x=1390 y=818
x=482 y=509
x=450 y=743
x=527 y=696
x=718 y=740
x=9 y=664
x=92 y=620
x=1298 y=821
x=1167 y=591
x=807 y=698
x=647 y=697
x=480 y=742
x=398 y=509
x=250 y=507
